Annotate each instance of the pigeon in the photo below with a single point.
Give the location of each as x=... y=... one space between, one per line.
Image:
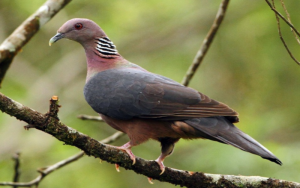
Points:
x=147 y=106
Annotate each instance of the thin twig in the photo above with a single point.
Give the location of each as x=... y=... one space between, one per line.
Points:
x=46 y=171
x=289 y=19
x=280 y=34
x=54 y=107
x=283 y=18
x=13 y=44
x=112 y=138
x=88 y=117
x=17 y=173
x=206 y=43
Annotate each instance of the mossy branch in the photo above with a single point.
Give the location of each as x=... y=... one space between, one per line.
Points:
x=50 y=124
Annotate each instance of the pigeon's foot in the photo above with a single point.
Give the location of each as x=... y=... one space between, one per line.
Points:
x=161 y=165
x=117 y=167
x=150 y=181
x=127 y=148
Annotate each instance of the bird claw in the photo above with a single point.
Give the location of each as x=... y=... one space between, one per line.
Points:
x=27 y=127
x=132 y=157
x=150 y=180
x=129 y=152
x=117 y=167
x=161 y=165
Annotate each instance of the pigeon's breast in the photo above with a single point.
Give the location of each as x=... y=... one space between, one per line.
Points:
x=112 y=91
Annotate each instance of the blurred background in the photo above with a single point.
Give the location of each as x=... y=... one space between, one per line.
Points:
x=247 y=67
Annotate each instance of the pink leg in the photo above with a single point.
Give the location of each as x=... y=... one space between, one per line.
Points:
x=150 y=181
x=117 y=167
x=159 y=161
x=127 y=148
x=167 y=147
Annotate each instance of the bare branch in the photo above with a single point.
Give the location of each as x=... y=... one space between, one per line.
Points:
x=54 y=107
x=206 y=43
x=289 y=19
x=112 y=138
x=88 y=117
x=17 y=173
x=46 y=171
x=110 y=154
x=279 y=30
x=282 y=17
x=13 y=44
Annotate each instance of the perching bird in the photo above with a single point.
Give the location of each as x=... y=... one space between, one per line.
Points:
x=145 y=105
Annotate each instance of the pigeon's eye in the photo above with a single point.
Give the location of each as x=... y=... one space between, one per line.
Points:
x=78 y=26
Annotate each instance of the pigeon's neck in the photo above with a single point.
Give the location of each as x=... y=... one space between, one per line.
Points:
x=102 y=55
x=105 y=48
x=96 y=64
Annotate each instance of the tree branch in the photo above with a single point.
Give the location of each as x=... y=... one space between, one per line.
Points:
x=283 y=18
x=90 y=146
x=13 y=44
x=289 y=19
x=277 y=15
x=88 y=117
x=46 y=171
x=17 y=173
x=206 y=43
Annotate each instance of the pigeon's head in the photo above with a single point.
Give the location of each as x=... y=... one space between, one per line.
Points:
x=80 y=30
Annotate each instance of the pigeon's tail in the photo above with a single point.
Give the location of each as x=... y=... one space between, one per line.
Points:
x=221 y=130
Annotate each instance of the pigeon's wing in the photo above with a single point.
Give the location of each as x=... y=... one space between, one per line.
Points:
x=126 y=93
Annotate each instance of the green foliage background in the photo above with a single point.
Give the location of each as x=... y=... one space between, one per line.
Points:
x=247 y=68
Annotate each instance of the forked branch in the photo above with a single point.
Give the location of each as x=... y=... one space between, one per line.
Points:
x=294 y=30
x=46 y=171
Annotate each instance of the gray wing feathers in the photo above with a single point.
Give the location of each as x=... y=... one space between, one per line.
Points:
x=224 y=131
x=125 y=93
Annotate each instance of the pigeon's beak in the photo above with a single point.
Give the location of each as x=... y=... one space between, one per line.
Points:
x=56 y=38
